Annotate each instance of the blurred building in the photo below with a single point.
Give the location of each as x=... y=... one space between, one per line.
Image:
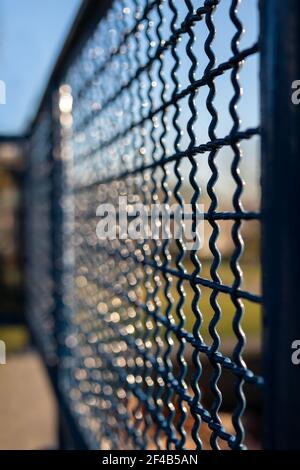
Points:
x=11 y=174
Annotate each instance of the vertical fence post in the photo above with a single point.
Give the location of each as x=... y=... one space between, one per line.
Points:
x=280 y=67
x=68 y=436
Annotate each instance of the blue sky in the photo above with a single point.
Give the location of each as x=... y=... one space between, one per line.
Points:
x=32 y=33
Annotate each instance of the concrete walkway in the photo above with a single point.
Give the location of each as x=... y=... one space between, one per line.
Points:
x=27 y=405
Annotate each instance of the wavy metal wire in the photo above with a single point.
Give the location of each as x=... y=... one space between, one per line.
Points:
x=130 y=364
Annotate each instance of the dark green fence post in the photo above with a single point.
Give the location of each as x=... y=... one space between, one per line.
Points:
x=280 y=67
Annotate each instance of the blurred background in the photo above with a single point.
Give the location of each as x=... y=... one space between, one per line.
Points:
x=32 y=34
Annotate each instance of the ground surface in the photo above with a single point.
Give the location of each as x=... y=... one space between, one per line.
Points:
x=27 y=409
x=28 y=415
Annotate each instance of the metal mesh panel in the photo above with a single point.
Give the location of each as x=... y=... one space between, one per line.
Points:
x=146 y=350
x=40 y=298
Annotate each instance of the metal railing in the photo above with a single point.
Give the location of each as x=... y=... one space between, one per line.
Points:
x=142 y=337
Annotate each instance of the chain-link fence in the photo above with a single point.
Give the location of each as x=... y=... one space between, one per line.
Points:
x=149 y=339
